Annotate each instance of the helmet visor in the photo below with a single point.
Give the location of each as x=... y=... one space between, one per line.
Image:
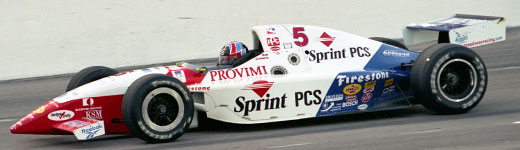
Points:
x=225 y=60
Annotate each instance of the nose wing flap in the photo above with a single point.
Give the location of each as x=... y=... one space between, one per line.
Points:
x=82 y=128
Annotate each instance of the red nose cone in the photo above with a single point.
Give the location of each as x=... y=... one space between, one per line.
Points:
x=35 y=122
x=23 y=126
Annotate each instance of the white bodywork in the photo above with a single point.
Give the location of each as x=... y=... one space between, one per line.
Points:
x=466 y=30
x=309 y=57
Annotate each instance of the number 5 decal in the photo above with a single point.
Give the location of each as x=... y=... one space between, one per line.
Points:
x=297 y=34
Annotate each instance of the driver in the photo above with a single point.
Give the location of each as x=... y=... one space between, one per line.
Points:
x=230 y=52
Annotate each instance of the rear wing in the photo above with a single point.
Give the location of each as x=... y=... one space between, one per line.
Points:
x=467 y=30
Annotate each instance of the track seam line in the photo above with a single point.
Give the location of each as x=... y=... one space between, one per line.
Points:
x=505 y=68
x=290 y=145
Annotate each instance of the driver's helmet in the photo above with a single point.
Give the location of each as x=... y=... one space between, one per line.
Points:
x=231 y=51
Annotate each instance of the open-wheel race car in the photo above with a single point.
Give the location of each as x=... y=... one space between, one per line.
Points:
x=291 y=72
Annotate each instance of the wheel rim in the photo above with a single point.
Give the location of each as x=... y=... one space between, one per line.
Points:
x=457 y=80
x=163 y=109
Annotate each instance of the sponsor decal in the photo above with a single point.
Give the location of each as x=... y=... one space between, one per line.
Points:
x=362 y=106
x=389 y=82
x=123 y=73
x=92 y=131
x=350 y=101
x=335 y=97
x=369 y=86
x=338 y=54
x=326 y=39
x=461 y=37
x=88 y=101
x=94 y=114
x=245 y=106
x=76 y=123
x=146 y=70
x=199 y=88
x=351 y=98
x=369 y=89
x=60 y=115
x=307 y=99
x=388 y=90
x=40 y=109
x=395 y=53
x=360 y=78
x=477 y=43
x=270 y=30
x=267 y=103
x=273 y=43
x=226 y=74
x=87 y=108
x=259 y=87
x=352 y=89
x=262 y=57
x=287 y=45
x=179 y=74
x=366 y=97
x=327 y=106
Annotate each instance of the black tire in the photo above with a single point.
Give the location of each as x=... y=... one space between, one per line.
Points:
x=448 y=78
x=88 y=75
x=389 y=42
x=169 y=108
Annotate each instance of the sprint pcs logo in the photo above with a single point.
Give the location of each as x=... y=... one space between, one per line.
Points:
x=246 y=106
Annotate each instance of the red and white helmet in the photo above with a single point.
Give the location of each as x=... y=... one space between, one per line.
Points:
x=231 y=51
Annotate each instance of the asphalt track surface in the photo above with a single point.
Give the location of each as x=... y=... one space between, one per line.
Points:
x=493 y=124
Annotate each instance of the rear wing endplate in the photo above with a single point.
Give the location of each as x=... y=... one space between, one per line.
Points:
x=467 y=30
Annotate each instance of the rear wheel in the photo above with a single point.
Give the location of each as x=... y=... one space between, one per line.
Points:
x=88 y=75
x=157 y=108
x=449 y=78
x=389 y=42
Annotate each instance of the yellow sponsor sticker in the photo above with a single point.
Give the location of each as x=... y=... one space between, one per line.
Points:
x=389 y=82
x=370 y=84
x=352 y=89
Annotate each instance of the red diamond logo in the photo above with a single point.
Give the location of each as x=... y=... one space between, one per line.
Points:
x=326 y=39
x=259 y=87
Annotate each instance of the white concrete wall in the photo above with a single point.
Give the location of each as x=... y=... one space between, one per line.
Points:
x=39 y=38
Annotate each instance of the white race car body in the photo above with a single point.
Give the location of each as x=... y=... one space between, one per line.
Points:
x=298 y=72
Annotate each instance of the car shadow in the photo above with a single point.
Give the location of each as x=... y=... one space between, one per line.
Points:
x=218 y=126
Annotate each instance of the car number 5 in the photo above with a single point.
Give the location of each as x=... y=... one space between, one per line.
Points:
x=297 y=34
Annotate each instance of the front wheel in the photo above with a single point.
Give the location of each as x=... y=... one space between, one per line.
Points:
x=88 y=75
x=449 y=78
x=157 y=108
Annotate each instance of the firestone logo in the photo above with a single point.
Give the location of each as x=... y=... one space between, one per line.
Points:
x=360 y=78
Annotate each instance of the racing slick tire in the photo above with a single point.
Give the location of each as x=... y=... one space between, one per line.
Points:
x=88 y=75
x=157 y=108
x=448 y=78
x=389 y=42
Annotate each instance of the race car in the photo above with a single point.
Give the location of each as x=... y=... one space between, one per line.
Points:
x=292 y=72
